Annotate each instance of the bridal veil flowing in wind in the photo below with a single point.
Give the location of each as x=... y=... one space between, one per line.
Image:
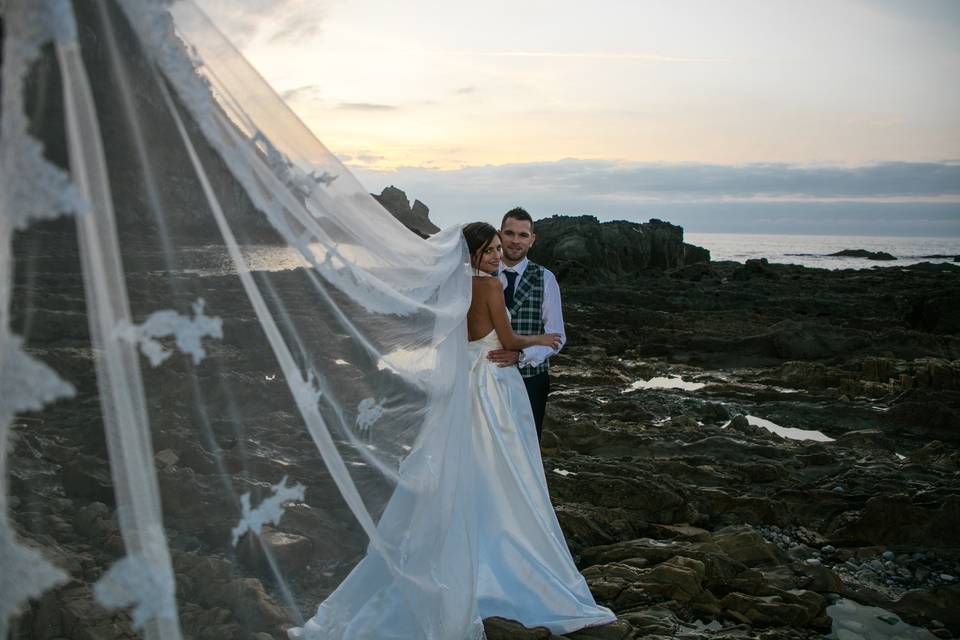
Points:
x=228 y=374
x=218 y=351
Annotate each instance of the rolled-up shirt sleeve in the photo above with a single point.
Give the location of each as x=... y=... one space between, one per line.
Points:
x=552 y=323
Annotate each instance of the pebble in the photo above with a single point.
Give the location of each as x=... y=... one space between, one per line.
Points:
x=813 y=562
x=946 y=577
x=829 y=549
x=838 y=488
x=888 y=555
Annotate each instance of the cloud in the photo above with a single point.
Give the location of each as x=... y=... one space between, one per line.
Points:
x=366 y=106
x=586 y=55
x=696 y=181
x=900 y=198
x=304 y=93
x=275 y=21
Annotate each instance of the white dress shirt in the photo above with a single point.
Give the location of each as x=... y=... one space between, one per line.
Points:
x=552 y=314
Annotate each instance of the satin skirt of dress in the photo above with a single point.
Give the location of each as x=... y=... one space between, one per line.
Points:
x=525 y=572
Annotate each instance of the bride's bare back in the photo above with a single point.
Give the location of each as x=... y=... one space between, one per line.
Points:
x=488 y=312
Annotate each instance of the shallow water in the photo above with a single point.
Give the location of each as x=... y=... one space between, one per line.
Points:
x=855 y=621
x=667 y=382
x=790 y=433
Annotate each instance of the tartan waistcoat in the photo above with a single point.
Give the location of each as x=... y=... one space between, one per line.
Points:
x=526 y=312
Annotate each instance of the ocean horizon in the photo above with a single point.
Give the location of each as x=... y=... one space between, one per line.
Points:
x=814 y=250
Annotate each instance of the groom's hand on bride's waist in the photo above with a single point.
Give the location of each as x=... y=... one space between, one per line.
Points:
x=504 y=357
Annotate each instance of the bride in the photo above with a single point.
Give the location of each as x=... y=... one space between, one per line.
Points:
x=521 y=567
x=525 y=570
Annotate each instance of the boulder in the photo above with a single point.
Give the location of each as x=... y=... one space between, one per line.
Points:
x=899 y=519
x=744 y=544
x=290 y=552
x=787 y=609
x=755 y=268
x=921 y=606
x=504 y=629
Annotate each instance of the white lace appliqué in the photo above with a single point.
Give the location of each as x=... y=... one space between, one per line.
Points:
x=188 y=333
x=368 y=412
x=34 y=188
x=26 y=574
x=135 y=581
x=269 y=510
x=26 y=384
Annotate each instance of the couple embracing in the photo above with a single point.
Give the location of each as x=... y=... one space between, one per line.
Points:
x=509 y=558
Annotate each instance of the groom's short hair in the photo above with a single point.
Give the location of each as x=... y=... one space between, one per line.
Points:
x=517 y=213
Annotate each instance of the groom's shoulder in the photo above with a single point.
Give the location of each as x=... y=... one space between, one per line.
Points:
x=547 y=274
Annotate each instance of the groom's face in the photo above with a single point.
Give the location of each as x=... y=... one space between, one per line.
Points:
x=517 y=238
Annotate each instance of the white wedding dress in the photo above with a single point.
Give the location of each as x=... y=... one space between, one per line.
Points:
x=506 y=539
x=525 y=571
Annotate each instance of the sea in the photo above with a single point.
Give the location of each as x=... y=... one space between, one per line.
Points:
x=809 y=251
x=813 y=251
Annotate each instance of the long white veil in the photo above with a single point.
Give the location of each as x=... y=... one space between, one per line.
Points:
x=220 y=358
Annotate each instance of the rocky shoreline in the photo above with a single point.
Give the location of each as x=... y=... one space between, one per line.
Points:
x=675 y=499
x=687 y=514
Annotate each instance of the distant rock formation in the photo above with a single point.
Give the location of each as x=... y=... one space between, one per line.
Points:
x=415 y=218
x=863 y=253
x=583 y=248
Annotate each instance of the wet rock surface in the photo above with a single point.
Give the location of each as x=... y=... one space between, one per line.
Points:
x=688 y=516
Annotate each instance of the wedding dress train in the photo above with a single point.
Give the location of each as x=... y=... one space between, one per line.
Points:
x=505 y=544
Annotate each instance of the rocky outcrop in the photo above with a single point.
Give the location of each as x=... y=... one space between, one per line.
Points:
x=416 y=217
x=863 y=253
x=583 y=249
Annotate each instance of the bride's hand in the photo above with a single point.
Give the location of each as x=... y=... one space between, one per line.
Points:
x=552 y=340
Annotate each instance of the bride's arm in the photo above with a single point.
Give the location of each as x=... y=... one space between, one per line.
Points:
x=493 y=298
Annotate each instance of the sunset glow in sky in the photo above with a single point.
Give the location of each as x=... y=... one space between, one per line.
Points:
x=456 y=95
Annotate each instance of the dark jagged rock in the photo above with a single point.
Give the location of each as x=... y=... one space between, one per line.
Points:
x=582 y=249
x=863 y=253
x=415 y=218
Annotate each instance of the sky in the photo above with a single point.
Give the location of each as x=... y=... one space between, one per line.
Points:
x=767 y=116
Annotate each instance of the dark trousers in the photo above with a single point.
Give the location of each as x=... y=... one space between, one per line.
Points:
x=538 y=387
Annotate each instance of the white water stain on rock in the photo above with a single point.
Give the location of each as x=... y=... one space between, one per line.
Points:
x=665 y=382
x=854 y=621
x=564 y=472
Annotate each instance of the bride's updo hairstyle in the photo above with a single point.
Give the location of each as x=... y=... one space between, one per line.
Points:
x=478 y=236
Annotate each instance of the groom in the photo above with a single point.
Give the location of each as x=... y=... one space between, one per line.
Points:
x=533 y=299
